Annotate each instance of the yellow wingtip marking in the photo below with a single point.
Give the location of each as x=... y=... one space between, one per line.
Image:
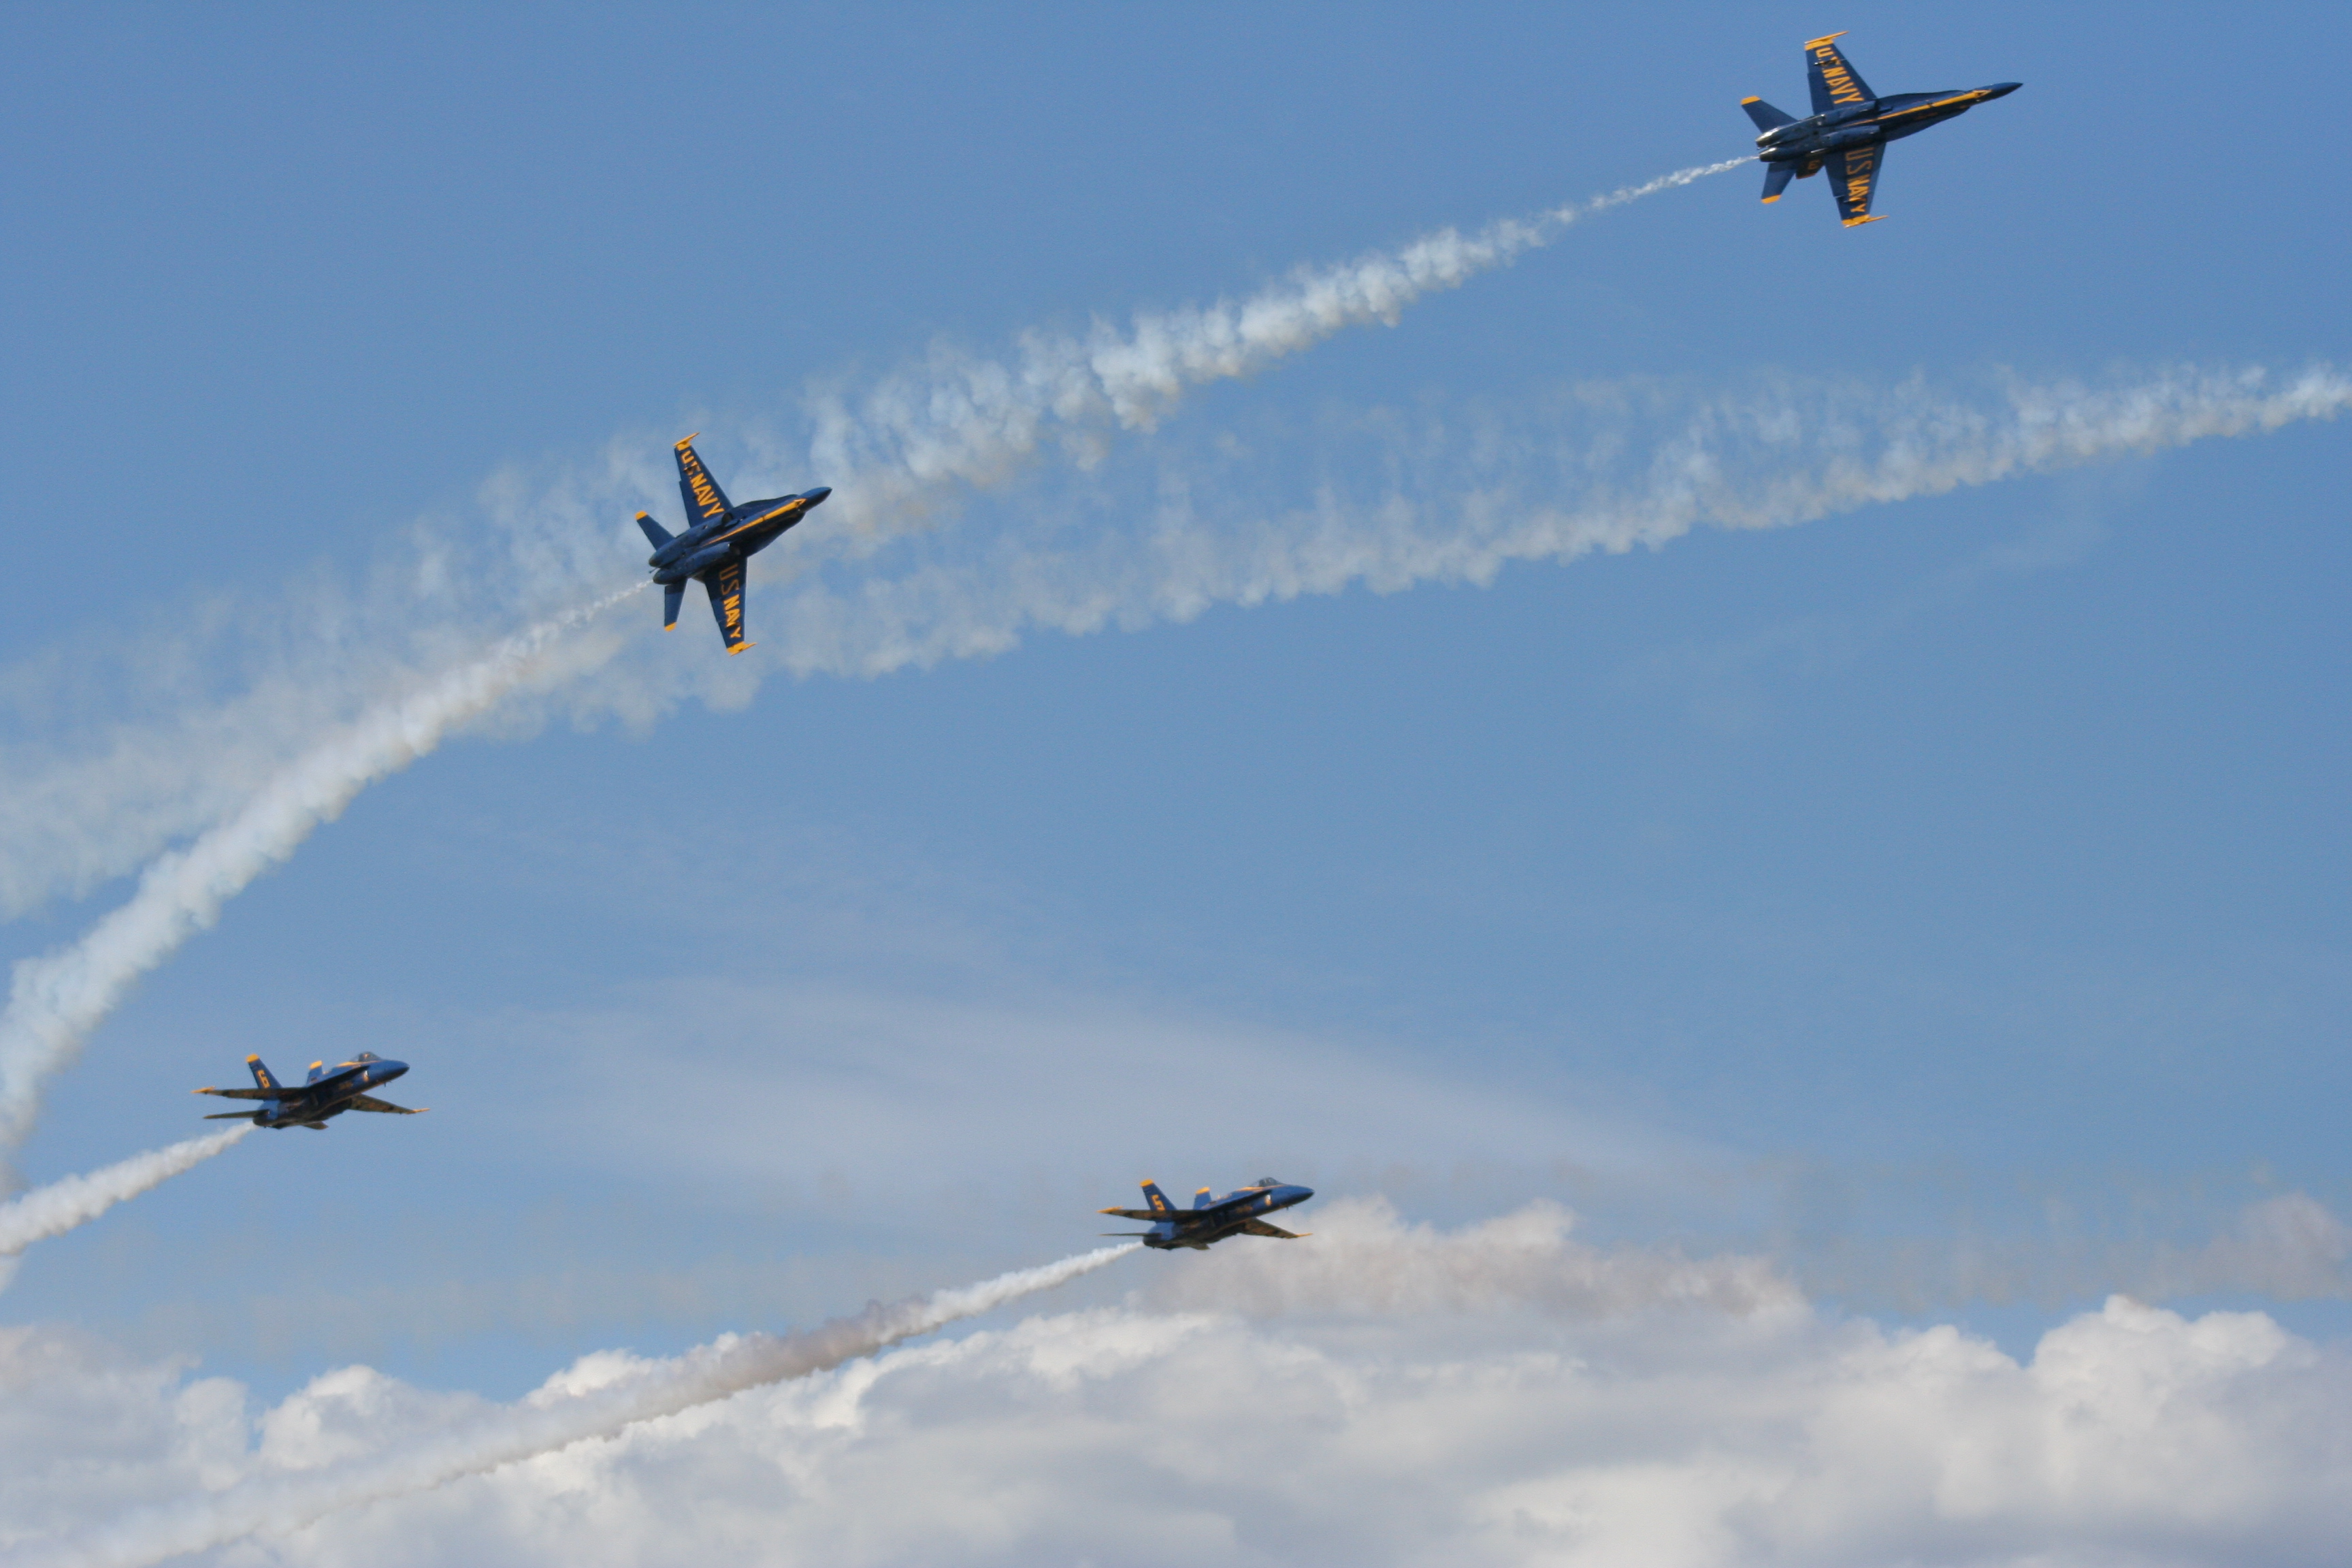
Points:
x=1748 y=100
x=739 y=648
x=1857 y=222
x=1817 y=43
x=1768 y=200
x=689 y=441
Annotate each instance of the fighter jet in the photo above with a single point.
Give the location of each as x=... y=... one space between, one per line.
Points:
x=1210 y=1221
x=321 y=1095
x=719 y=537
x=1849 y=129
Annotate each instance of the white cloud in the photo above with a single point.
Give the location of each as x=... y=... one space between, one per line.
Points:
x=1526 y=1400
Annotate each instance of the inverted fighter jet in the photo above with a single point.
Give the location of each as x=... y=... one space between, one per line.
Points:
x=719 y=537
x=321 y=1095
x=1849 y=129
x=1209 y=1220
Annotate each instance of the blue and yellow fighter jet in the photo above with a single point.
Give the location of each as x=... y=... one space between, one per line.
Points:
x=321 y=1095
x=1849 y=129
x=719 y=537
x=1209 y=1220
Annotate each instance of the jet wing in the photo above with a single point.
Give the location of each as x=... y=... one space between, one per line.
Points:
x=369 y=1102
x=705 y=501
x=1854 y=179
x=725 y=587
x=250 y=1093
x=1145 y=1215
x=1259 y=1227
x=1835 y=83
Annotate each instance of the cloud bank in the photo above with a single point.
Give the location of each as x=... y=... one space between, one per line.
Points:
x=597 y=1397
x=1498 y=1394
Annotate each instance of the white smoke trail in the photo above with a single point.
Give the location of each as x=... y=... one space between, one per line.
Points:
x=1771 y=460
x=55 y=1000
x=1787 y=456
x=554 y=1418
x=59 y=1208
x=964 y=422
x=76 y=815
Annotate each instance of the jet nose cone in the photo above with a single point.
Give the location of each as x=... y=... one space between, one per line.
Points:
x=816 y=497
x=391 y=1071
x=2002 y=89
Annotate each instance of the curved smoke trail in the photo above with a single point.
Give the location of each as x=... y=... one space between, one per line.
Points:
x=1783 y=456
x=962 y=422
x=546 y=1421
x=55 y=1000
x=955 y=422
x=59 y=1208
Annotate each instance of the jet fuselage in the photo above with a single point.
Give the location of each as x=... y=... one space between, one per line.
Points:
x=1808 y=142
x=723 y=541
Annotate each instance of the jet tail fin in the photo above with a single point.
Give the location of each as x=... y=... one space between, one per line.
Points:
x=1775 y=179
x=673 y=595
x=1767 y=118
x=1157 y=1199
x=262 y=1077
x=655 y=534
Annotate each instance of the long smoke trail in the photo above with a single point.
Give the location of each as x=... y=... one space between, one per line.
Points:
x=56 y=1001
x=1780 y=458
x=69 y=820
x=962 y=422
x=541 y=1424
x=1785 y=456
x=62 y=1204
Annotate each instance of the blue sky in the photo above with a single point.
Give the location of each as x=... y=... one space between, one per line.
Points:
x=1941 y=900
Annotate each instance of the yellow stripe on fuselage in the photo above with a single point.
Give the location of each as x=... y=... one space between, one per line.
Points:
x=1923 y=108
x=755 y=522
